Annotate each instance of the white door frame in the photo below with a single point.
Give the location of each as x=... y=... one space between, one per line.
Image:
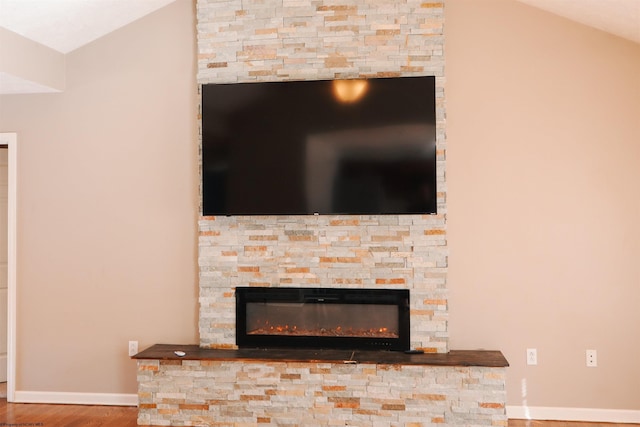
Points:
x=11 y=141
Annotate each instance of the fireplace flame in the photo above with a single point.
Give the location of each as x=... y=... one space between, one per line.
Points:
x=337 y=331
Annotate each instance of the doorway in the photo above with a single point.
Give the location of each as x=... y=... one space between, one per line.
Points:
x=8 y=142
x=4 y=300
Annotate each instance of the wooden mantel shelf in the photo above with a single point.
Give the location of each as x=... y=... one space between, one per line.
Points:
x=483 y=358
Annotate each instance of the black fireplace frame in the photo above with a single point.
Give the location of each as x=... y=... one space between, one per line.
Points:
x=397 y=297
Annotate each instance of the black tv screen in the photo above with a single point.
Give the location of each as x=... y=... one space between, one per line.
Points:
x=319 y=147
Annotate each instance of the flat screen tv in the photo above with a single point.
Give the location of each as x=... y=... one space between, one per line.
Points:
x=319 y=147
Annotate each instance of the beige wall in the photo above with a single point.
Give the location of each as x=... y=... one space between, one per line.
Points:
x=107 y=207
x=543 y=133
x=544 y=203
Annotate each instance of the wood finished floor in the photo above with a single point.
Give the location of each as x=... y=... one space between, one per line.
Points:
x=125 y=416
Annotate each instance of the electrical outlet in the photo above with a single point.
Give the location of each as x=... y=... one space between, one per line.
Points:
x=133 y=348
x=592 y=358
x=532 y=356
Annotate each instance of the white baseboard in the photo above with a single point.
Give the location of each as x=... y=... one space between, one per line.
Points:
x=574 y=414
x=107 y=399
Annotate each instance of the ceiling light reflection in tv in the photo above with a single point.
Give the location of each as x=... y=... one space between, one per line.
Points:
x=319 y=147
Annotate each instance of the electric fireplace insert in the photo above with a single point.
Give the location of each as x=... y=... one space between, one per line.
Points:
x=358 y=319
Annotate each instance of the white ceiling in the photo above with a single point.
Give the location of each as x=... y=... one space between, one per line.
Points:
x=619 y=17
x=65 y=25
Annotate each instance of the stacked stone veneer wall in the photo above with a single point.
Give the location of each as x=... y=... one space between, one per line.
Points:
x=276 y=40
x=234 y=393
x=268 y=40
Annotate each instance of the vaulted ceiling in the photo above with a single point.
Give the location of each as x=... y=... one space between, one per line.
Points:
x=38 y=33
x=43 y=31
x=618 y=17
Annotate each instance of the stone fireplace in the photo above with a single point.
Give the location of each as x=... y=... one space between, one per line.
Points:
x=256 y=40
x=218 y=382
